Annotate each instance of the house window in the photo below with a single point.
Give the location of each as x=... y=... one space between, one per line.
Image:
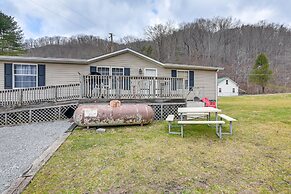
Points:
x=184 y=75
x=117 y=82
x=25 y=76
x=103 y=70
x=226 y=82
x=117 y=71
x=233 y=90
x=104 y=81
x=219 y=90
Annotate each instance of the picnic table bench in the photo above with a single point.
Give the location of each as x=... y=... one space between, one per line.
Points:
x=219 y=123
x=227 y=118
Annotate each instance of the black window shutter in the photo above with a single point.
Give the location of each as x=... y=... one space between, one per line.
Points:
x=8 y=76
x=93 y=69
x=191 y=80
x=127 y=71
x=127 y=79
x=41 y=75
x=174 y=81
x=174 y=73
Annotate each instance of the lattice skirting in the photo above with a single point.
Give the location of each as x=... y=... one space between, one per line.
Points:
x=162 y=110
x=53 y=113
x=35 y=115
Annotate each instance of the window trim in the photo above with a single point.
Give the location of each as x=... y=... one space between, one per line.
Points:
x=116 y=68
x=150 y=69
x=188 y=80
x=110 y=69
x=105 y=67
x=13 y=75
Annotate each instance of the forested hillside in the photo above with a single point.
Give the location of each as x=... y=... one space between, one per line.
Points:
x=220 y=42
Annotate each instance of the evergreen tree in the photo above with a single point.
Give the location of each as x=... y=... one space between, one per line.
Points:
x=10 y=36
x=261 y=74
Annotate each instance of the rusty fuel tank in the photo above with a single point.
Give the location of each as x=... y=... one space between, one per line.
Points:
x=113 y=114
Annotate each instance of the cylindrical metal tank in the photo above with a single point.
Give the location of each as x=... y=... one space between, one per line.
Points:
x=113 y=114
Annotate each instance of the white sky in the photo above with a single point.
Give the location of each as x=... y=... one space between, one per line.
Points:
x=40 y=18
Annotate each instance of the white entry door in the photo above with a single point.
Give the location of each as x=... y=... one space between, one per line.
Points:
x=149 y=84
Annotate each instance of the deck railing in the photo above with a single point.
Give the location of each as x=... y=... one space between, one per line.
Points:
x=18 y=97
x=95 y=86
x=131 y=87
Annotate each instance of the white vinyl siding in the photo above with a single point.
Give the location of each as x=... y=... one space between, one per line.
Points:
x=205 y=84
x=230 y=89
x=58 y=74
x=2 y=76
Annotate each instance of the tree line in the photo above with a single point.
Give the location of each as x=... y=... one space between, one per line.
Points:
x=223 y=42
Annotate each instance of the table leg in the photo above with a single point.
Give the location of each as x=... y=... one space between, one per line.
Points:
x=216 y=119
x=181 y=130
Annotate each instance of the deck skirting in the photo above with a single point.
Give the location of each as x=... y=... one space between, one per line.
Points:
x=57 y=112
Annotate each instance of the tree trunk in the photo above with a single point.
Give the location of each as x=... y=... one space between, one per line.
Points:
x=263 y=89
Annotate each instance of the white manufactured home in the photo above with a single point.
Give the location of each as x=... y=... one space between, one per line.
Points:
x=126 y=70
x=227 y=87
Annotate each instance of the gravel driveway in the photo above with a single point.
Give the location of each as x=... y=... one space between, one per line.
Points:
x=21 y=145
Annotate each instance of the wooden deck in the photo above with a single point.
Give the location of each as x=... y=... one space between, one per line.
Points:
x=97 y=87
x=35 y=95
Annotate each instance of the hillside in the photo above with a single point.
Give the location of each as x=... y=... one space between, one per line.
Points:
x=213 y=42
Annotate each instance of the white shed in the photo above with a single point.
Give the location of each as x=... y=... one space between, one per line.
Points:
x=227 y=87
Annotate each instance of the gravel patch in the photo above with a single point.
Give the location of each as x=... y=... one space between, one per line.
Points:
x=21 y=145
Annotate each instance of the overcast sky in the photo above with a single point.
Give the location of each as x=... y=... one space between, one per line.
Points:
x=40 y=18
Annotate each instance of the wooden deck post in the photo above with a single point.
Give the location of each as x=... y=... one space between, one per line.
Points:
x=20 y=97
x=56 y=93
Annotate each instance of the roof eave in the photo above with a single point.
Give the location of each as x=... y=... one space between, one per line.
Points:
x=126 y=50
x=187 y=67
x=42 y=60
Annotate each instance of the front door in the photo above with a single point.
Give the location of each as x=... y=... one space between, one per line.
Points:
x=149 y=84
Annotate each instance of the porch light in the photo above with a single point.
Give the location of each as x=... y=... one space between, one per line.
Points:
x=140 y=71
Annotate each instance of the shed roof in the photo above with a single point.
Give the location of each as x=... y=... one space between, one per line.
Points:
x=219 y=80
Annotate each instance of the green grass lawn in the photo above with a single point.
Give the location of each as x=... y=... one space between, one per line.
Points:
x=256 y=158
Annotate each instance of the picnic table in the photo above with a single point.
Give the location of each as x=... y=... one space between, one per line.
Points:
x=198 y=110
x=187 y=113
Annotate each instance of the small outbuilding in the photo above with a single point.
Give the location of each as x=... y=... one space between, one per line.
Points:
x=227 y=87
